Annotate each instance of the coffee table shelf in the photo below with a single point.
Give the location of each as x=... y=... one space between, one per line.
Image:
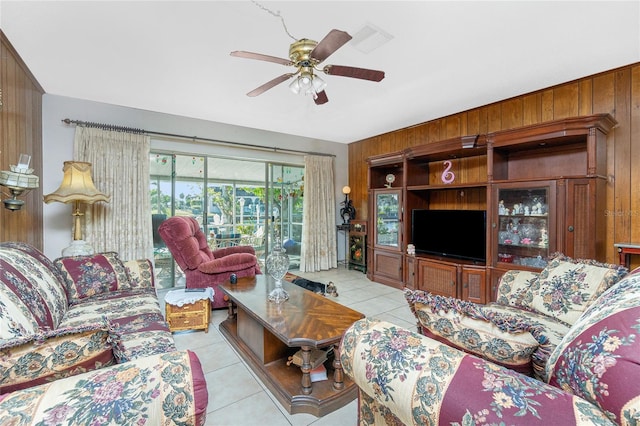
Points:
x=265 y=335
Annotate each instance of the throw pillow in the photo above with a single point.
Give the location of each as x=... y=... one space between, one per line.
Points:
x=86 y=276
x=566 y=286
x=140 y=273
x=50 y=355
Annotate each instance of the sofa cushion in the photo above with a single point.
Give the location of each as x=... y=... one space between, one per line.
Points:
x=136 y=319
x=86 y=276
x=500 y=337
x=566 y=287
x=50 y=355
x=599 y=359
x=32 y=293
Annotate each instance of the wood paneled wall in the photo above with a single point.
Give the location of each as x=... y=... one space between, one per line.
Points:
x=20 y=133
x=616 y=92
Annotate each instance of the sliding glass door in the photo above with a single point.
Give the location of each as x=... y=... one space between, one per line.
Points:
x=285 y=196
x=236 y=202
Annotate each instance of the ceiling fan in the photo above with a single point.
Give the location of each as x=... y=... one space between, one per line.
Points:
x=306 y=55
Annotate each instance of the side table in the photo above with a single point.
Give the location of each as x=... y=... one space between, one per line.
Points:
x=625 y=250
x=188 y=310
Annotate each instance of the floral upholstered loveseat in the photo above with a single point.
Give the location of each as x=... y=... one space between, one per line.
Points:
x=530 y=317
x=591 y=376
x=83 y=341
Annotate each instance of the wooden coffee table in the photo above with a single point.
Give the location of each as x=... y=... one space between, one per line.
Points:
x=266 y=334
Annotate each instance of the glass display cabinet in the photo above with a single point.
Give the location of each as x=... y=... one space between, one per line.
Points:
x=525 y=213
x=387 y=218
x=358 y=245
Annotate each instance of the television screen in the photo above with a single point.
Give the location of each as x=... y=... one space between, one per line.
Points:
x=451 y=233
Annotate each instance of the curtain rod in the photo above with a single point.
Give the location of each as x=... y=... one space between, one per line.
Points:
x=115 y=128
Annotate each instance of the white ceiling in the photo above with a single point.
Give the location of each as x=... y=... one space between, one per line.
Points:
x=445 y=57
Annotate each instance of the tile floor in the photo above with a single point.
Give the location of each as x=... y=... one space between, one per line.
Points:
x=236 y=395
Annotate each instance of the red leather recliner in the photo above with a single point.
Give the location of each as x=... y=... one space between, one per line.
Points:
x=202 y=266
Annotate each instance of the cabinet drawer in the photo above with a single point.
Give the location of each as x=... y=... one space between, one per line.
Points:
x=186 y=320
x=198 y=306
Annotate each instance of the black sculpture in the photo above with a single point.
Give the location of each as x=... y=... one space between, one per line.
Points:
x=348 y=212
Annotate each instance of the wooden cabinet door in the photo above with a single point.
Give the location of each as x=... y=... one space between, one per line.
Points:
x=474 y=286
x=387 y=219
x=387 y=268
x=584 y=215
x=495 y=275
x=410 y=272
x=437 y=278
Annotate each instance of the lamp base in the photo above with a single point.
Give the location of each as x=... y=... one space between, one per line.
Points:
x=78 y=248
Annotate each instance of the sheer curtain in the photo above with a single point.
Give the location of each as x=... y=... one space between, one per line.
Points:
x=120 y=168
x=319 y=229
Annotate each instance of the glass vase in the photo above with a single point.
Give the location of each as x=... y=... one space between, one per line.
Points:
x=277 y=264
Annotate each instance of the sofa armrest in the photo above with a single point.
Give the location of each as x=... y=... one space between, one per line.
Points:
x=50 y=355
x=167 y=388
x=504 y=339
x=422 y=381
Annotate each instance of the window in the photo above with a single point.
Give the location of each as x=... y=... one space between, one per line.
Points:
x=235 y=202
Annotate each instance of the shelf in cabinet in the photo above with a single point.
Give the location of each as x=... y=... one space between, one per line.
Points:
x=528 y=246
x=523 y=215
x=441 y=187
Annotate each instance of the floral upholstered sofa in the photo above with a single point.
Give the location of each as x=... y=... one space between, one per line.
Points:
x=83 y=341
x=591 y=376
x=530 y=317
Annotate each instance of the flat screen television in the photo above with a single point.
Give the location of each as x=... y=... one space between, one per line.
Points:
x=459 y=234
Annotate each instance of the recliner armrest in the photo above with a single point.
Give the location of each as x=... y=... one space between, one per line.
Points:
x=226 y=251
x=229 y=263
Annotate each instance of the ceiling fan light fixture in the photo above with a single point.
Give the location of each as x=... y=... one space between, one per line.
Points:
x=318 y=84
x=305 y=80
x=295 y=85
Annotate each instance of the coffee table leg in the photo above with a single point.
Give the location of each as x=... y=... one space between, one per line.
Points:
x=230 y=313
x=306 y=369
x=338 y=377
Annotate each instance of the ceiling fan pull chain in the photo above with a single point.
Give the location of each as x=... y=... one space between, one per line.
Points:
x=276 y=14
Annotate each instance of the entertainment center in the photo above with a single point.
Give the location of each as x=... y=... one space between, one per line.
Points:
x=476 y=206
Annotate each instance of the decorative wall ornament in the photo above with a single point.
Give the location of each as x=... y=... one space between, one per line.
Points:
x=447 y=175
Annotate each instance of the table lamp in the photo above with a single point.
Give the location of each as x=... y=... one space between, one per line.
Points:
x=348 y=212
x=77 y=187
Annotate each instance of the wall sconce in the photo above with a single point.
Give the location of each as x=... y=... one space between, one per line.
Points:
x=348 y=212
x=76 y=187
x=19 y=180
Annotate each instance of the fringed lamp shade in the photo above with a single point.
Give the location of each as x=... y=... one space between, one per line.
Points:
x=77 y=185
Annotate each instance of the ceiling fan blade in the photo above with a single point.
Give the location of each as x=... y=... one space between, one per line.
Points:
x=321 y=98
x=270 y=84
x=353 y=72
x=329 y=44
x=260 y=57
